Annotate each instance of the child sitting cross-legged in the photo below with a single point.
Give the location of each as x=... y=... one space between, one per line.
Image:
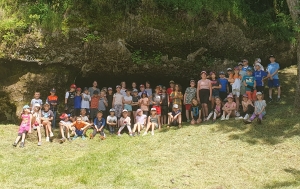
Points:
x=125 y=122
x=153 y=121
x=229 y=108
x=195 y=112
x=174 y=117
x=80 y=126
x=99 y=124
x=64 y=125
x=259 y=109
x=217 y=110
x=140 y=122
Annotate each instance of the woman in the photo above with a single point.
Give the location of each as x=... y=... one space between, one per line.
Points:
x=94 y=88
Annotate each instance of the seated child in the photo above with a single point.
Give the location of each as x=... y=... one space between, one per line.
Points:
x=248 y=107
x=36 y=121
x=80 y=126
x=47 y=117
x=65 y=126
x=25 y=126
x=259 y=109
x=125 y=122
x=153 y=121
x=99 y=124
x=174 y=117
x=195 y=112
x=217 y=110
x=140 y=121
x=229 y=108
x=111 y=121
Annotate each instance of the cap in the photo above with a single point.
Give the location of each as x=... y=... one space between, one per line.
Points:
x=258 y=60
x=271 y=56
x=142 y=85
x=112 y=110
x=213 y=72
x=139 y=110
x=203 y=72
x=135 y=90
x=118 y=86
x=36 y=105
x=244 y=60
x=175 y=106
x=229 y=69
x=100 y=111
x=153 y=109
x=249 y=69
x=230 y=96
x=73 y=86
x=53 y=90
x=78 y=89
x=221 y=73
x=109 y=88
x=145 y=92
x=46 y=104
x=26 y=107
x=95 y=92
x=236 y=68
x=85 y=89
x=258 y=93
x=245 y=95
x=240 y=64
x=64 y=116
x=125 y=110
x=171 y=81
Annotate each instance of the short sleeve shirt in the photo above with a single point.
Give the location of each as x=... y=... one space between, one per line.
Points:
x=230 y=105
x=249 y=81
x=94 y=101
x=140 y=119
x=85 y=102
x=125 y=121
x=112 y=119
x=272 y=68
x=36 y=101
x=84 y=118
x=259 y=75
x=118 y=98
x=190 y=94
x=215 y=83
x=91 y=90
x=195 y=111
x=128 y=98
x=99 y=123
x=259 y=106
x=48 y=114
x=223 y=83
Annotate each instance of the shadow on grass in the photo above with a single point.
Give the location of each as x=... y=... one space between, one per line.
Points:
x=292 y=183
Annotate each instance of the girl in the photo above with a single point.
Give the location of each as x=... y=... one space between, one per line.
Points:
x=196 y=112
x=236 y=87
x=260 y=75
x=228 y=108
x=118 y=102
x=153 y=121
x=204 y=92
x=164 y=105
x=156 y=101
x=189 y=94
x=133 y=85
x=135 y=102
x=148 y=88
x=215 y=86
x=217 y=110
x=259 y=109
x=25 y=126
x=248 y=107
x=140 y=121
x=177 y=96
x=125 y=122
x=111 y=121
x=127 y=101
x=123 y=88
x=36 y=120
x=144 y=103
x=65 y=125
x=47 y=117
x=85 y=102
x=77 y=101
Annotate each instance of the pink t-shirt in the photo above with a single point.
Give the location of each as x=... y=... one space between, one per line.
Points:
x=204 y=84
x=143 y=102
x=230 y=105
x=125 y=121
x=140 y=119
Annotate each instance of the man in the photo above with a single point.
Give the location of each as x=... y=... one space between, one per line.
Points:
x=246 y=65
x=273 y=80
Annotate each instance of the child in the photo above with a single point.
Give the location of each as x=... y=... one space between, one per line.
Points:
x=196 y=112
x=189 y=94
x=69 y=100
x=135 y=101
x=47 y=117
x=144 y=103
x=127 y=101
x=36 y=99
x=174 y=117
x=123 y=88
x=224 y=86
x=77 y=101
x=83 y=115
x=248 y=107
x=86 y=98
x=229 y=108
x=99 y=124
x=217 y=110
x=118 y=102
x=250 y=83
x=125 y=122
x=236 y=87
x=153 y=121
x=102 y=104
x=140 y=122
x=53 y=101
x=260 y=75
x=80 y=126
x=204 y=93
x=156 y=101
x=133 y=85
x=65 y=126
x=259 y=109
x=164 y=105
x=94 y=105
x=273 y=81
x=148 y=88
x=111 y=121
x=242 y=74
x=177 y=96
x=169 y=91
x=109 y=97
x=215 y=86
x=25 y=126
x=230 y=79
x=36 y=121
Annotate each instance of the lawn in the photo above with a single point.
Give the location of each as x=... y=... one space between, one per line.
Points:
x=222 y=155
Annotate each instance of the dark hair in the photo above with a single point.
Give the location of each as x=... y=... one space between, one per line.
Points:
x=179 y=87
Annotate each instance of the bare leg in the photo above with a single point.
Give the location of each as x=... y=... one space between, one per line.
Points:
x=187 y=113
x=62 y=130
x=237 y=103
x=17 y=139
x=270 y=92
x=205 y=110
x=279 y=91
x=38 y=128
x=152 y=127
x=212 y=102
x=23 y=137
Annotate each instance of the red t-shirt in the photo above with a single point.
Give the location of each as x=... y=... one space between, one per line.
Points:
x=169 y=91
x=79 y=126
x=94 y=101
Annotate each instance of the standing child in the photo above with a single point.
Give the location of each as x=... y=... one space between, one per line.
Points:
x=53 y=101
x=127 y=101
x=156 y=101
x=229 y=108
x=224 y=86
x=259 y=109
x=273 y=81
x=196 y=112
x=135 y=101
x=169 y=91
x=236 y=87
x=164 y=106
x=215 y=86
x=99 y=124
x=77 y=101
x=177 y=96
x=36 y=99
x=125 y=121
x=109 y=97
x=85 y=102
x=47 y=117
x=123 y=88
x=260 y=75
x=204 y=93
x=65 y=126
x=118 y=102
x=80 y=126
x=36 y=121
x=25 y=126
x=153 y=122
x=189 y=94
x=144 y=103
x=250 y=83
x=94 y=105
x=174 y=117
x=111 y=121
x=140 y=122
x=102 y=104
x=148 y=88
x=217 y=110
x=242 y=74
x=69 y=100
x=230 y=79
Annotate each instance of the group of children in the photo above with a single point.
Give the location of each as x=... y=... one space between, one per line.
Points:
x=239 y=95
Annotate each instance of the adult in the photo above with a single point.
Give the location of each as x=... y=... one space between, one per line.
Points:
x=204 y=93
x=245 y=65
x=273 y=81
x=169 y=91
x=94 y=88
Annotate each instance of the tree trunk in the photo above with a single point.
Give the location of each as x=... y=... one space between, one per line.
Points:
x=295 y=14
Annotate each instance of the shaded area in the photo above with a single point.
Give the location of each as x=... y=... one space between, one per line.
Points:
x=293 y=183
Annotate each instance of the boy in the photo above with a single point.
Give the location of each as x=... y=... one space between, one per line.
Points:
x=36 y=100
x=77 y=102
x=69 y=100
x=80 y=126
x=169 y=91
x=189 y=94
x=85 y=102
x=174 y=117
x=102 y=104
x=259 y=75
x=156 y=101
x=273 y=81
x=242 y=74
x=250 y=84
x=109 y=97
x=52 y=99
x=224 y=85
x=94 y=105
x=99 y=124
x=164 y=105
x=64 y=125
x=47 y=117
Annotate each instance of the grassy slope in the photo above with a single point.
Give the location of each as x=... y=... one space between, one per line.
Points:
x=223 y=155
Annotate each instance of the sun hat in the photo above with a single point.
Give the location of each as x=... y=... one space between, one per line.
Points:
x=125 y=110
x=230 y=96
x=245 y=95
x=153 y=109
x=118 y=86
x=258 y=60
x=221 y=73
x=64 y=116
x=73 y=86
x=171 y=81
x=271 y=56
x=249 y=69
x=78 y=89
x=109 y=88
x=175 y=106
x=112 y=110
x=229 y=69
x=258 y=93
x=203 y=72
x=244 y=60
x=139 y=110
x=240 y=64
x=26 y=107
x=145 y=92
x=135 y=90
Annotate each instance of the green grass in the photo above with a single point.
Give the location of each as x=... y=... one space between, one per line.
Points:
x=223 y=155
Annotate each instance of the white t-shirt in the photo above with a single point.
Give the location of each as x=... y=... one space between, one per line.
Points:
x=125 y=121
x=123 y=92
x=128 y=98
x=140 y=119
x=118 y=98
x=84 y=118
x=66 y=122
x=85 y=102
x=36 y=101
x=112 y=119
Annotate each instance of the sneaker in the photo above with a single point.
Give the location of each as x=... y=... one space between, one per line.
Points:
x=22 y=145
x=278 y=99
x=246 y=117
x=168 y=127
x=69 y=139
x=188 y=120
x=237 y=118
x=15 y=144
x=119 y=134
x=47 y=139
x=227 y=117
x=247 y=121
x=62 y=140
x=152 y=133
x=130 y=134
x=270 y=100
x=39 y=143
x=222 y=118
x=237 y=114
x=133 y=134
x=34 y=127
x=74 y=137
x=145 y=133
x=51 y=134
x=102 y=137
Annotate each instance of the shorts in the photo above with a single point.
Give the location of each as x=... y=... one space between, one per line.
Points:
x=79 y=132
x=71 y=111
x=164 y=110
x=118 y=110
x=243 y=89
x=23 y=130
x=204 y=96
x=93 y=113
x=236 y=92
x=128 y=107
x=260 y=89
x=134 y=108
x=223 y=95
x=251 y=95
x=188 y=107
x=215 y=93
x=273 y=83
x=158 y=110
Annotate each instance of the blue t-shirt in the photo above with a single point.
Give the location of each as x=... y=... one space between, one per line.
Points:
x=195 y=111
x=245 y=68
x=249 y=81
x=259 y=75
x=223 y=82
x=99 y=123
x=272 y=68
x=77 y=102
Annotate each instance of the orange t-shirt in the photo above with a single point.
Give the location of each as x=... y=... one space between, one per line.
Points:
x=78 y=126
x=237 y=76
x=94 y=101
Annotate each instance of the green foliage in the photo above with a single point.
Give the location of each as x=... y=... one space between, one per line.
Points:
x=90 y=38
x=140 y=57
